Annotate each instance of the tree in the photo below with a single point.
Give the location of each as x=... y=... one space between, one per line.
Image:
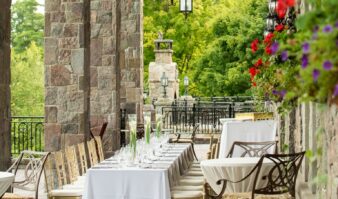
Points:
x=222 y=69
x=27 y=25
x=27 y=84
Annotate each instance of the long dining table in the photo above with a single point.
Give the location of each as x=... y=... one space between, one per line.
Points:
x=113 y=179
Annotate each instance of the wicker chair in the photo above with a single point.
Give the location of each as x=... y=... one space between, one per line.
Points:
x=32 y=173
x=281 y=178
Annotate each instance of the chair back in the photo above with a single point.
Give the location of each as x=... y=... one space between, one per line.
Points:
x=251 y=149
x=282 y=175
x=92 y=152
x=32 y=170
x=60 y=168
x=194 y=131
x=82 y=158
x=49 y=171
x=72 y=163
x=99 y=147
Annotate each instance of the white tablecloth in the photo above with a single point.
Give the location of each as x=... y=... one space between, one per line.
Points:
x=246 y=131
x=234 y=169
x=6 y=180
x=139 y=183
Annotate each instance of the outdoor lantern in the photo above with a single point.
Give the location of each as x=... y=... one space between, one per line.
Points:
x=186 y=84
x=164 y=84
x=186 y=6
x=270 y=23
x=272 y=7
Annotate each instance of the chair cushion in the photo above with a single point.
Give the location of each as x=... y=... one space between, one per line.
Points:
x=194 y=173
x=191 y=182
x=187 y=188
x=65 y=192
x=187 y=195
x=247 y=195
x=15 y=196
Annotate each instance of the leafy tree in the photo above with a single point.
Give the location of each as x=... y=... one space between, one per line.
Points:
x=222 y=69
x=27 y=24
x=27 y=83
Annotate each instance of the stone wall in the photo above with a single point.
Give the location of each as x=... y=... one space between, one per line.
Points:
x=114 y=72
x=314 y=127
x=5 y=30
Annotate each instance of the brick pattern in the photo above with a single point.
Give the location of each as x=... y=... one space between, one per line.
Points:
x=66 y=95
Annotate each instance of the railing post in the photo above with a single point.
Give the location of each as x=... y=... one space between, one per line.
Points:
x=193 y=114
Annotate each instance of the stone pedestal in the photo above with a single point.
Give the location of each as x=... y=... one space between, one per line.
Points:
x=163 y=65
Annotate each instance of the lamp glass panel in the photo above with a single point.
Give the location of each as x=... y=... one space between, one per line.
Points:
x=185 y=5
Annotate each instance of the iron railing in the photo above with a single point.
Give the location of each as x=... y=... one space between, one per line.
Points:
x=27 y=133
x=182 y=115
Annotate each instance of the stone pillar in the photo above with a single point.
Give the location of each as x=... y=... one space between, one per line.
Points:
x=101 y=77
x=163 y=65
x=5 y=57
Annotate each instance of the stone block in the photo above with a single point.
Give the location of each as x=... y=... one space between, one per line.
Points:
x=78 y=61
x=106 y=30
x=70 y=30
x=60 y=76
x=74 y=13
x=95 y=30
x=106 y=5
x=67 y=117
x=108 y=60
x=58 y=17
x=108 y=46
x=95 y=5
x=69 y=43
x=56 y=29
x=51 y=53
x=47 y=28
x=96 y=52
x=51 y=96
x=69 y=129
x=93 y=16
x=76 y=102
x=51 y=114
x=72 y=139
x=52 y=5
x=81 y=36
x=104 y=17
x=64 y=56
x=93 y=77
x=52 y=136
x=51 y=42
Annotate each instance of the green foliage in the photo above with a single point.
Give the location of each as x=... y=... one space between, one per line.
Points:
x=27 y=24
x=221 y=70
x=27 y=83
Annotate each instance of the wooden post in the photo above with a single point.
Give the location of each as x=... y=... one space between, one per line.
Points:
x=5 y=74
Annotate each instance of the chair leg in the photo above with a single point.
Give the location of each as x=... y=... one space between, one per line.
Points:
x=193 y=150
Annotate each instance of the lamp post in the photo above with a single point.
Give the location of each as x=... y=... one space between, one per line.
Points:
x=164 y=84
x=186 y=7
x=186 y=84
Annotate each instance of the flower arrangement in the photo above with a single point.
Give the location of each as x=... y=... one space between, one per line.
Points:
x=147 y=133
x=158 y=129
x=301 y=66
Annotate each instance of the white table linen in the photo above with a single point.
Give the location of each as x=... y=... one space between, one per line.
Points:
x=6 y=179
x=133 y=182
x=234 y=169
x=246 y=131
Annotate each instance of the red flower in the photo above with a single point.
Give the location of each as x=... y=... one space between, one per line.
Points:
x=253 y=72
x=254 y=84
x=254 y=45
x=279 y=28
x=268 y=50
x=290 y=3
x=259 y=62
x=268 y=38
x=281 y=8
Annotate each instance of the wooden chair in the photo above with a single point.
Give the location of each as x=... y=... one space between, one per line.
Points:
x=32 y=173
x=99 y=148
x=93 y=159
x=82 y=158
x=281 y=178
x=210 y=147
x=252 y=149
x=72 y=163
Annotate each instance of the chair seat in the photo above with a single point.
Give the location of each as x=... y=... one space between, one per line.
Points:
x=191 y=182
x=187 y=195
x=187 y=188
x=194 y=173
x=65 y=192
x=15 y=196
x=247 y=195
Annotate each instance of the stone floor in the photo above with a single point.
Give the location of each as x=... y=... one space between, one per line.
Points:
x=201 y=152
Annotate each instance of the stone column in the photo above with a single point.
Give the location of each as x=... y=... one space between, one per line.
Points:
x=5 y=57
x=163 y=65
x=66 y=108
